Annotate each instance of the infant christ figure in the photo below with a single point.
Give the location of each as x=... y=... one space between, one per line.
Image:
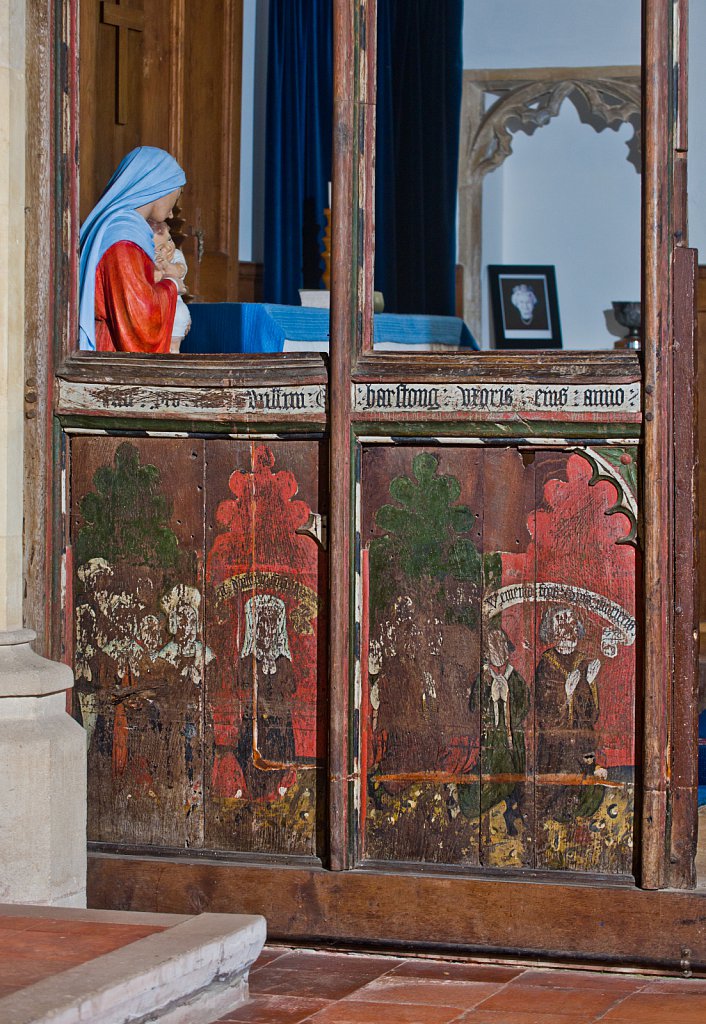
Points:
x=170 y=262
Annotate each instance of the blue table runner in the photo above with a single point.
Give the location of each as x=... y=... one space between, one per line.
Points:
x=227 y=327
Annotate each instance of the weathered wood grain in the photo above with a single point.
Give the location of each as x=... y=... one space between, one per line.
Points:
x=194 y=370
x=478 y=750
x=597 y=925
x=344 y=329
x=305 y=402
x=701 y=436
x=475 y=367
x=39 y=321
x=422 y=525
x=507 y=828
x=585 y=680
x=136 y=544
x=266 y=701
x=684 y=777
x=658 y=495
x=499 y=401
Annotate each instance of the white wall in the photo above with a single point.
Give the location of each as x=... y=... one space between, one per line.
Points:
x=567 y=195
x=551 y=33
x=252 y=139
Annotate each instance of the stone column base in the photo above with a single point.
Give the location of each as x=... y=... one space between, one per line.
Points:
x=42 y=780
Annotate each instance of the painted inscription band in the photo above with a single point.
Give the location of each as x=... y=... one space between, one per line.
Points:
x=264 y=581
x=276 y=401
x=622 y=622
x=498 y=400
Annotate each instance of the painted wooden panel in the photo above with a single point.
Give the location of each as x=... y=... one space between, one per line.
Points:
x=605 y=401
x=585 y=668
x=422 y=530
x=498 y=670
x=199 y=632
x=266 y=569
x=136 y=541
x=503 y=692
x=305 y=402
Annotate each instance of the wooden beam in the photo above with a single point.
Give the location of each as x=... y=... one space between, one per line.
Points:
x=598 y=925
x=343 y=300
x=658 y=492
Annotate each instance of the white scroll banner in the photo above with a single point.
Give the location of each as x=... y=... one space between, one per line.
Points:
x=623 y=623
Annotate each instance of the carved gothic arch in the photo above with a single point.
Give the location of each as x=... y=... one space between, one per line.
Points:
x=527 y=99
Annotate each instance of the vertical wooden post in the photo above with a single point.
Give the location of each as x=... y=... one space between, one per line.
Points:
x=683 y=814
x=657 y=503
x=343 y=332
x=683 y=740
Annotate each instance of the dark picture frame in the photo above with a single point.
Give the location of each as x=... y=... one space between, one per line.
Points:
x=525 y=307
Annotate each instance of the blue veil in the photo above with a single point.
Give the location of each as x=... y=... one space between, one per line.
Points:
x=144 y=175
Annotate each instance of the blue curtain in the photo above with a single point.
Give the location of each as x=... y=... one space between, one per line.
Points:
x=420 y=73
x=298 y=145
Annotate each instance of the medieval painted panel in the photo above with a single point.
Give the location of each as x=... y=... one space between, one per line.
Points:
x=504 y=690
x=585 y=673
x=136 y=566
x=266 y=692
x=421 y=579
x=473 y=561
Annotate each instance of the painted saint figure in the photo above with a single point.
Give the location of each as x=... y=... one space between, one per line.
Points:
x=265 y=748
x=123 y=307
x=185 y=651
x=503 y=697
x=567 y=701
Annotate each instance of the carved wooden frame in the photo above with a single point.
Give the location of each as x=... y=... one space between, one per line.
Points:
x=527 y=99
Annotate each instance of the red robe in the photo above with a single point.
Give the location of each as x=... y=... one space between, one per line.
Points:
x=133 y=313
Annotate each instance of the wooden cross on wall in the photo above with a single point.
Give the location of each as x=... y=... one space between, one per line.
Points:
x=124 y=19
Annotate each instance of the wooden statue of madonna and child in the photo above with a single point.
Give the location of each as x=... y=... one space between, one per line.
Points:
x=131 y=273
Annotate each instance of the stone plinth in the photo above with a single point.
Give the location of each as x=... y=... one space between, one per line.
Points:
x=43 y=768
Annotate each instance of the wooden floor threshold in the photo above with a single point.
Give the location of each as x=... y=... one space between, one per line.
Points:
x=620 y=927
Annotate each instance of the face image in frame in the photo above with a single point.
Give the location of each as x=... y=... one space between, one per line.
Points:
x=525 y=310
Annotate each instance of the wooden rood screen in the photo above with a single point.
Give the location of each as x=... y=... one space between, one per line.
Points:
x=495 y=685
x=374 y=646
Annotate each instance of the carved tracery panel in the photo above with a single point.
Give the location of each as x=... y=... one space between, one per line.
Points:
x=527 y=99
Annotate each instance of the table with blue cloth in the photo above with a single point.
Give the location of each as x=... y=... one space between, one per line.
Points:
x=251 y=327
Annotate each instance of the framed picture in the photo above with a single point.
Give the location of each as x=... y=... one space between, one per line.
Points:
x=525 y=307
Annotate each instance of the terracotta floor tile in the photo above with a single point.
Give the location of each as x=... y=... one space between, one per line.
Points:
x=533 y=999
x=447 y=970
x=275 y=1010
x=384 y=1013
x=305 y=983
x=481 y=1016
x=19 y=924
x=269 y=955
x=658 y=1008
x=595 y=981
x=421 y=991
x=348 y=965
x=681 y=986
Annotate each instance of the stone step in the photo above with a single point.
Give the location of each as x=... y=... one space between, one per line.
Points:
x=191 y=971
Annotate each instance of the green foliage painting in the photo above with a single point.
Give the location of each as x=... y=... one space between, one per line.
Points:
x=422 y=532
x=126 y=517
